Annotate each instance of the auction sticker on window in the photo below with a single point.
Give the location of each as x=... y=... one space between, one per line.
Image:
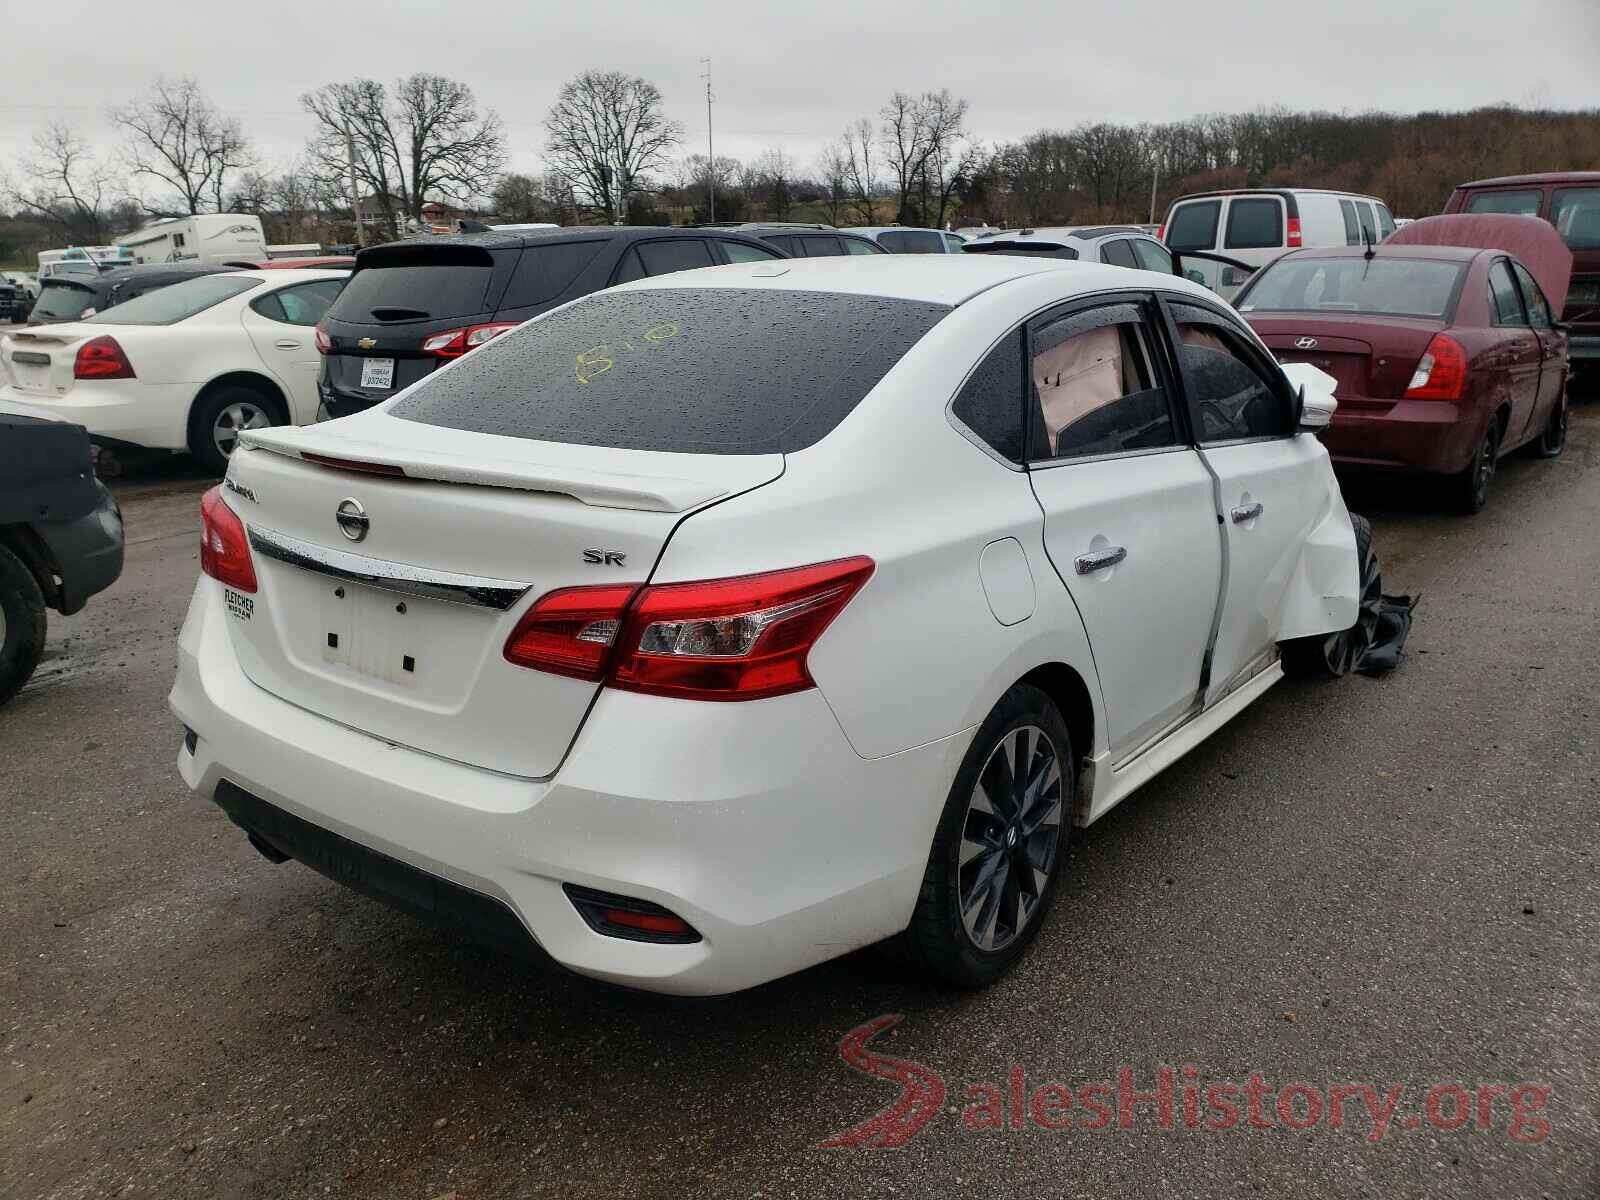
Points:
x=241 y=606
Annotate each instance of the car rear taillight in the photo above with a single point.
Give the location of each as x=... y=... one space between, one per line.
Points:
x=224 y=546
x=1295 y=239
x=722 y=639
x=453 y=343
x=1441 y=372
x=1161 y=232
x=324 y=342
x=102 y=358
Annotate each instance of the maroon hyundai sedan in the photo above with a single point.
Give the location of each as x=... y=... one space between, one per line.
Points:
x=1447 y=358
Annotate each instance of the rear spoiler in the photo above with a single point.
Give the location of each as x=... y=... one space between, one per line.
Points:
x=602 y=489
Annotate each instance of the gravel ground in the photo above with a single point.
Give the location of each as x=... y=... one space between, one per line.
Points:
x=1373 y=881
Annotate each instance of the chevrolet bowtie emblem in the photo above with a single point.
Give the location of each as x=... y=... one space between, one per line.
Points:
x=367 y=343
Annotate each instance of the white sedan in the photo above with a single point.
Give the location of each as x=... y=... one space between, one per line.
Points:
x=182 y=368
x=712 y=626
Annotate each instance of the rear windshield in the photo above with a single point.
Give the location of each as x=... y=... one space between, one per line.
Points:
x=690 y=370
x=1400 y=287
x=1026 y=249
x=60 y=300
x=430 y=292
x=169 y=305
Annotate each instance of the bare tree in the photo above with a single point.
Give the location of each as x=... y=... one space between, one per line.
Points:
x=424 y=141
x=833 y=176
x=948 y=160
x=770 y=182
x=606 y=130
x=860 y=168
x=179 y=138
x=63 y=183
x=905 y=144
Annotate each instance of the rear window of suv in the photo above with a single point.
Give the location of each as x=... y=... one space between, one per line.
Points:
x=61 y=300
x=412 y=290
x=687 y=370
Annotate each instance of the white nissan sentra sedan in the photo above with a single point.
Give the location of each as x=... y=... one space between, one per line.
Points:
x=716 y=625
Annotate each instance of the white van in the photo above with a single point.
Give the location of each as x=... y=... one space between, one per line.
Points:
x=228 y=238
x=1255 y=225
x=83 y=259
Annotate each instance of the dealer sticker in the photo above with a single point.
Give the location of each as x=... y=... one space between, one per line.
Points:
x=239 y=604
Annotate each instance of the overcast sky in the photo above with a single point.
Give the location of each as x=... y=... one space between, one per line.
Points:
x=794 y=74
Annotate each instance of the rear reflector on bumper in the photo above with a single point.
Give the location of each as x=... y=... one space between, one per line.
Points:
x=625 y=917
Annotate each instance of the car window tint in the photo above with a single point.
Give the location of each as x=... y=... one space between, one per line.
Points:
x=821 y=247
x=545 y=271
x=860 y=245
x=786 y=244
x=1408 y=287
x=1576 y=213
x=953 y=244
x=1194 y=226
x=1093 y=387
x=1152 y=256
x=739 y=252
x=1504 y=301
x=678 y=369
x=169 y=305
x=1369 y=224
x=303 y=304
x=679 y=254
x=1539 y=315
x=1226 y=386
x=1522 y=203
x=920 y=241
x=1254 y=223
x=1385 y=220
x=1352 y=223
x=894 y=241
x=990 y=402
x=415 y=292
x=1118 y=253
x=629 y=268
x=60 y=300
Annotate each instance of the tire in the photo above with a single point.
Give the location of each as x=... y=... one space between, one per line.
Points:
x=22 y=624
x=1468 y=489
x=217 y=417
x=1554 y=438
x=972 y=945
x=1335 y=655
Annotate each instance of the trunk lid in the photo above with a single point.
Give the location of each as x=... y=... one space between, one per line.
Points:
x=41 y=361
x=1372 y=358
x=401 y=634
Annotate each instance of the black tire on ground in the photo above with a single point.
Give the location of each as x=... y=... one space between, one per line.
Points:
x=22 y=624
x=1004 y=862
x=220 y=413
x=1554 y=438
x=1468 y=489
x=1334 y=655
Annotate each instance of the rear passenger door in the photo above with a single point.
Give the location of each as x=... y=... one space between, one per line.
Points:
x=1518 y=356
x=1243 y=414
x=1552 y=349
x=1129 y=520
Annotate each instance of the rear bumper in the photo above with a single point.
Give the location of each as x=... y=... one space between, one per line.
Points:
x=756 y=823
x=1583 y=347
x=152 y=415
x=1433 y=436
x=87 y=552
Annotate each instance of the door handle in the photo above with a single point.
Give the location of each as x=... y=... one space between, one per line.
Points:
x=1099 y=560
x=286 y=344
x=1247 y=512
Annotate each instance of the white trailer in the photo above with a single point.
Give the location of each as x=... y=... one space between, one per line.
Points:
x=207 y=238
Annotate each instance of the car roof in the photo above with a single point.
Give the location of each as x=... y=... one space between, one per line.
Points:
x=950 y=279
x=142 y=271
x=1542 y=178
x=869 y=229
x=1267 y=191
x=1054 y=234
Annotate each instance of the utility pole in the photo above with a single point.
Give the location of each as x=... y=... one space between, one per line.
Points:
x=355 y=187
x=711 y=154
x=1155 y=176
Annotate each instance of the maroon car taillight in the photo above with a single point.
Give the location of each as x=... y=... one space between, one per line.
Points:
x=1441 y=372
x=722 y=639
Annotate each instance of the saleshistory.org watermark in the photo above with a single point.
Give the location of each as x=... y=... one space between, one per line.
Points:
x=1180 y=1098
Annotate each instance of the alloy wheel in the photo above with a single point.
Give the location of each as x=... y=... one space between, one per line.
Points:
x=244 y=414
x=1010 y=837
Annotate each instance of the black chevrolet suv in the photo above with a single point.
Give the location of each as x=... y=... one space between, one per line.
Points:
x=412 y=306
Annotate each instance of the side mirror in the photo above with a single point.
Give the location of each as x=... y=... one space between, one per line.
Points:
x=1314 y=399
